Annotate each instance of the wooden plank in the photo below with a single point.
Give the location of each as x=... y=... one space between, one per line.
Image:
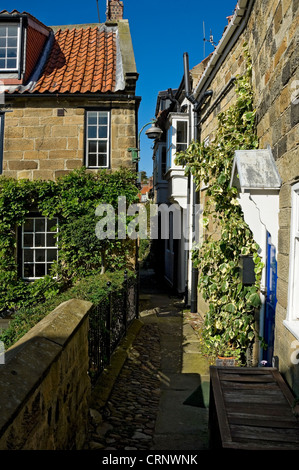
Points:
x=246 y=371
x=219 y=404
x=284 y=388
x=262 y=420
x=247 y=378
x=249 y=385
x=248 y=397
x=266 y=409
x=242 y=444
x=265 y=434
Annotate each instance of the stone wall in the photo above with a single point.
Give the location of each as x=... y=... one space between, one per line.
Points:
x=44 y=385
x=273 y=42
x=272 y=37
x=39 y=143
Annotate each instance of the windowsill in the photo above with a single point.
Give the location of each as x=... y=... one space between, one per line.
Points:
x=97 y=167
x=293 y=327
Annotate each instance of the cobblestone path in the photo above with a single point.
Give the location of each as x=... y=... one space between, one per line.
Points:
x=128 y=420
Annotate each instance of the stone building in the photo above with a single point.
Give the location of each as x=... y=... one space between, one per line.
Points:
x=68 y=95
x=270 y=203
x=68 y=101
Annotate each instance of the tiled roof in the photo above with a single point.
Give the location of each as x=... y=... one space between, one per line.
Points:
x=16 y=12
x=80 y=61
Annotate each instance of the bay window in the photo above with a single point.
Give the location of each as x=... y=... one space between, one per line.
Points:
x=177 y=137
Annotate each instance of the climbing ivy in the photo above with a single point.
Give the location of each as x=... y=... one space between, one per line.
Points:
x=229 y=327
x=73 y=200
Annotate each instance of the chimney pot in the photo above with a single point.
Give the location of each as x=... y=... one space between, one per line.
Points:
x=115 y=10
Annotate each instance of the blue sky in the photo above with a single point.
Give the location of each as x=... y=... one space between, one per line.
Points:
x=161 y=32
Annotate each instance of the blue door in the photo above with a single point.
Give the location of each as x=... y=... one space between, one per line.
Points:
x=269 y=321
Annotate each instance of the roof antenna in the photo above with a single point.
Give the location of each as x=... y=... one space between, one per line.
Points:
x=98 y=10
x=211 y=40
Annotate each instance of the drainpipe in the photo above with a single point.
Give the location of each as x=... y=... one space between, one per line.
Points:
x=2 y=115
x=195 y=194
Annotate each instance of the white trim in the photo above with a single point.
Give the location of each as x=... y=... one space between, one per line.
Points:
x=33 y=248
x=292 y=316
x=171 y=144
x=293 y=327
x=18 y=47
x=98 y=139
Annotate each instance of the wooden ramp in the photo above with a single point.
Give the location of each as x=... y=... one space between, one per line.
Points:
x=251 y=409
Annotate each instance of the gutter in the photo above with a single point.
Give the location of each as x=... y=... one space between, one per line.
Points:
x=234 y=30
x=90 y=96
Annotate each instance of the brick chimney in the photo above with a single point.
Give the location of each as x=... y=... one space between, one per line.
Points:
x=115 y=10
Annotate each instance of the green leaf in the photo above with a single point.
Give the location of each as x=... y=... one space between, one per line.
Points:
x=255 y=300
x=230 y=308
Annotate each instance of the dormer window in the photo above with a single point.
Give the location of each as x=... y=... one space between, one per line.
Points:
x=9 y=47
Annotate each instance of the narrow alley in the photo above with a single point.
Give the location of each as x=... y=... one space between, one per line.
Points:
x=160 y=398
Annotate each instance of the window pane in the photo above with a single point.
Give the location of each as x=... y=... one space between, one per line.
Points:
x=40 y=270
x=28 y=270
x=92 y=160
x=40 y=255
x=49 y=267
x=39 y=239
x=2 y=53
x=181 y=147
x=92 y=118
x=51 y=224
x=51 y=239
x=2 y=42
x=11 y=63
x=103 y=132
x=12 y=30
x=11 y=53
x=103 y=117
x=12 y=42
x=182 y=132
x=2 y=31
x=28 y=240
x=28 y=225
x=2 y=64
x=102 y=160
x=92 y=132
x=51 y=255
x=40 y=225
x=92 y=147
x=28 y=256
x=102 y=147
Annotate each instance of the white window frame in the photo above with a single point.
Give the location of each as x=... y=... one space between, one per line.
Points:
x=33 y=248
x=292 y=321
x=18 y=47
x=98 y=139
x=172 y=142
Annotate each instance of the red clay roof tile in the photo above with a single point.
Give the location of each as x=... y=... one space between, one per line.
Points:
x=81 y=61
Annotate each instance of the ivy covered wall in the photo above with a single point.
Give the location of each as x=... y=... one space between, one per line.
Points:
x=71 y=199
